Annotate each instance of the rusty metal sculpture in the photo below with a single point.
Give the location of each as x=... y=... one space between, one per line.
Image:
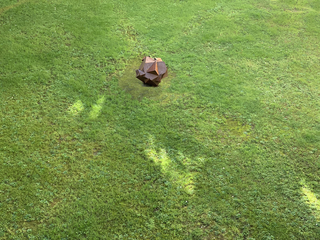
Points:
x=151 y=71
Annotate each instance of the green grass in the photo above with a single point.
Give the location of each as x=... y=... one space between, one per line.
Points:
x=227 y=147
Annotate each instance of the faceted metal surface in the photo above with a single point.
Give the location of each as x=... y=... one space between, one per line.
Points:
x=151 y=71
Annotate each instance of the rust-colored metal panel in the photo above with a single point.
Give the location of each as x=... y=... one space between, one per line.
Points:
x=152 y=71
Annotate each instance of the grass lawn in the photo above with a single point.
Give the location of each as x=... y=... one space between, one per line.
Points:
x=227 y=147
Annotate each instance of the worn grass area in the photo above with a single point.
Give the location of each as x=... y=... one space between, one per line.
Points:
x=226 y=148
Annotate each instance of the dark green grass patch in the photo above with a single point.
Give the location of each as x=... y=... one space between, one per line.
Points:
x=227 y=147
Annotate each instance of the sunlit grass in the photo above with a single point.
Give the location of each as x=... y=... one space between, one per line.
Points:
x=181 y=175
x=76 y=108
x=311 y=200
x=96 y=108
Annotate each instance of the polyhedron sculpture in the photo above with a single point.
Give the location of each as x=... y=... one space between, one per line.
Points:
x=151 y=71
